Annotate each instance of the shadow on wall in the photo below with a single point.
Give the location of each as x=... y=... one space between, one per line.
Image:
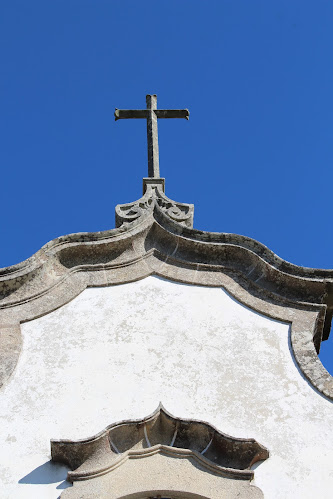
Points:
x=48 y=473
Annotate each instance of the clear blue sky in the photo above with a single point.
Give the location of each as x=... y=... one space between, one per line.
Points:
x=255 y=157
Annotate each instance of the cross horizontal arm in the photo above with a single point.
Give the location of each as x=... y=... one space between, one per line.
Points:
x=172 y=113
x=122 y=114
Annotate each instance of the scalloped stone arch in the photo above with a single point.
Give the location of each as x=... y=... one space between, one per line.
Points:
x=156 y=245
x=128 y=459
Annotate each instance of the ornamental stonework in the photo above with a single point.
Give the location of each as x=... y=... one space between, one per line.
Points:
x=180 y=448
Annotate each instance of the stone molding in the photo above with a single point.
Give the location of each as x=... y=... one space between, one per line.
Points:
x=154 y=244
x=160 y=433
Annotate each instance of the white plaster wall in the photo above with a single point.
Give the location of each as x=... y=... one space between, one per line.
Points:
x=114 y=353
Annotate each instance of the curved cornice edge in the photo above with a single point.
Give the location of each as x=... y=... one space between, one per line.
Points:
x=154 y=244
x=159 y=433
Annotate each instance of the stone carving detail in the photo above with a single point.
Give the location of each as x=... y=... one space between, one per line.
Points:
x=161 y=433
x=154 y=197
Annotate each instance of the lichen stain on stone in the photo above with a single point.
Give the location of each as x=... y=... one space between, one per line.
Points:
x=11 y=438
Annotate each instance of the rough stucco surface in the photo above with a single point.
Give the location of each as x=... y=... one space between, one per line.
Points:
x=114 y=353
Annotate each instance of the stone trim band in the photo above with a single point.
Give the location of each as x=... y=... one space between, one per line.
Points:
x=154 y=244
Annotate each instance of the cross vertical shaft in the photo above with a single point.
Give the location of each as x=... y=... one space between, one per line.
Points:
x=151 y=114
x=152 y=138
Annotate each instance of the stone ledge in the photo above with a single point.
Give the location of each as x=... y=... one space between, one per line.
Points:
x=210 y=450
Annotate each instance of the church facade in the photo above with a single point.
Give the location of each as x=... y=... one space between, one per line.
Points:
x=158 y=361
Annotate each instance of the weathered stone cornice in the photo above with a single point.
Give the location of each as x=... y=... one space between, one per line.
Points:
x=210 y=449
x=155 y=244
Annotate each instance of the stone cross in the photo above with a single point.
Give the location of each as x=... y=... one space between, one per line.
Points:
x=151 y=114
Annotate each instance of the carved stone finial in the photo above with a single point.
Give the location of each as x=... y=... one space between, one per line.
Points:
x=155 y=199
x=153 y=186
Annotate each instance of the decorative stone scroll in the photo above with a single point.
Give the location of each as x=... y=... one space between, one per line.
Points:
x=154 y=198
x=160 y=454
